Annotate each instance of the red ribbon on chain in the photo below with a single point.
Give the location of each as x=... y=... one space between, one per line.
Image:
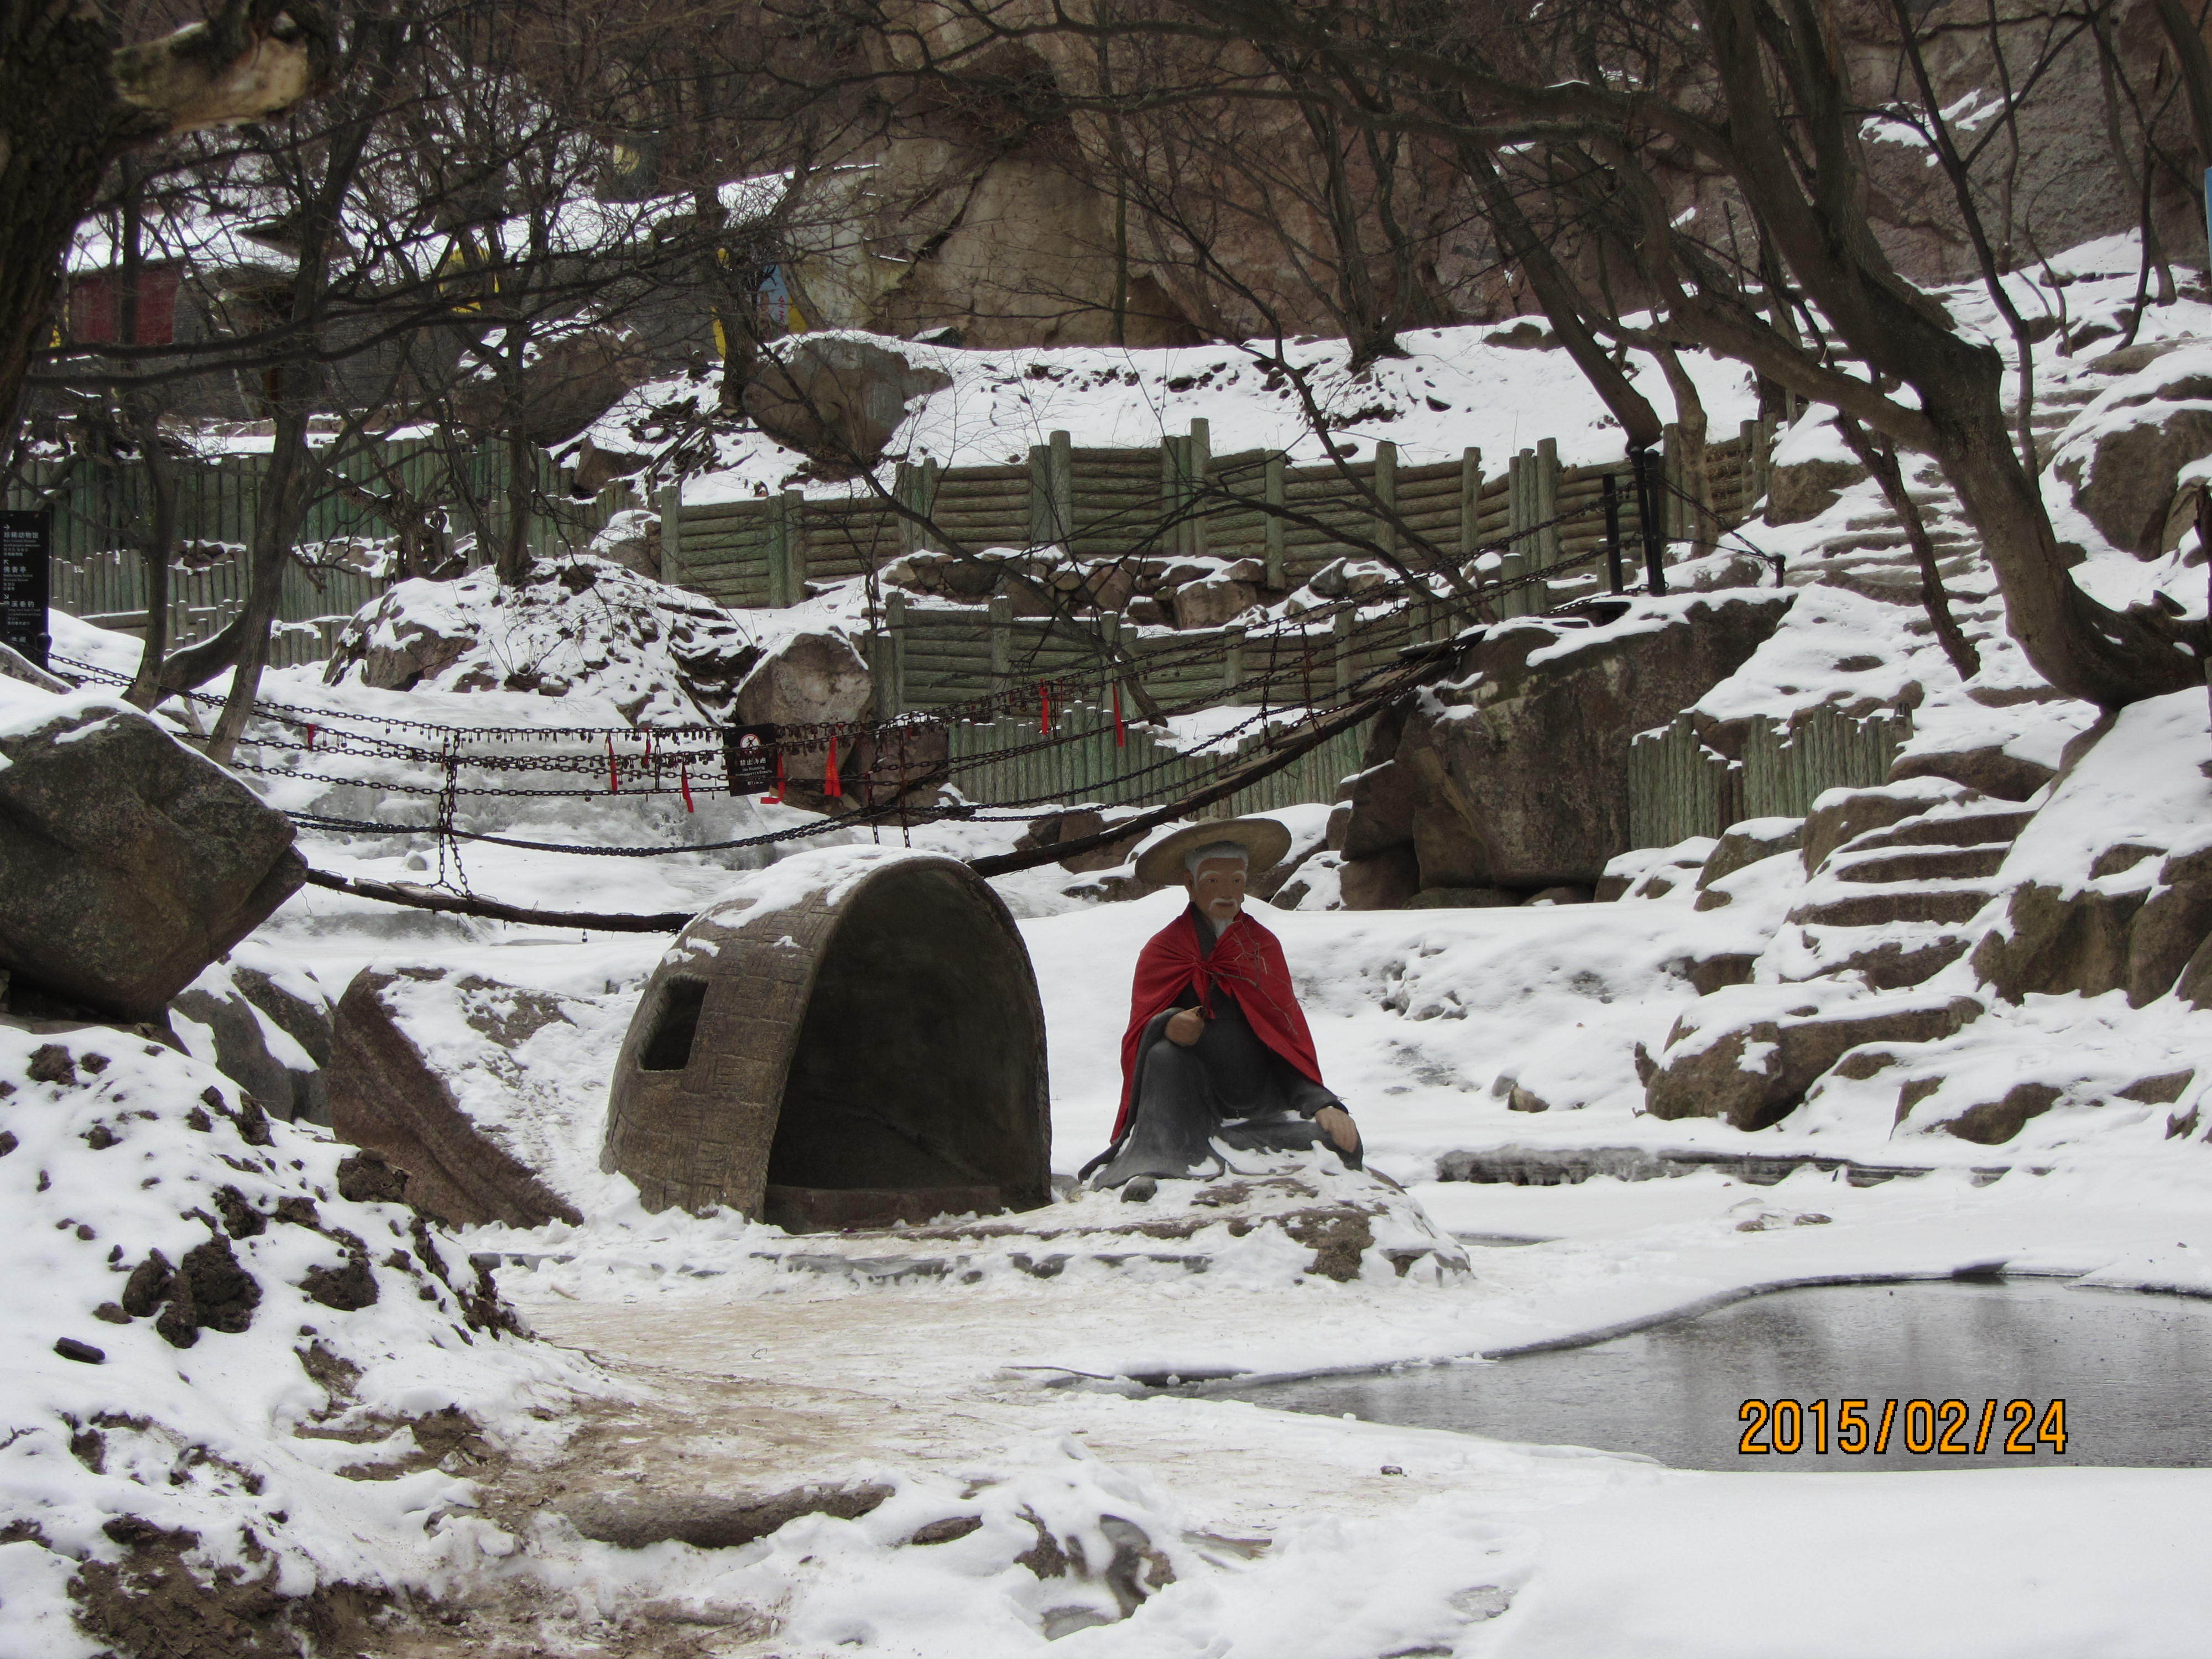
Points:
x=614 y=778
x=1120 y=732
x=777 y=798
x=831 y=783
x=683 y=782
x=1044 y=707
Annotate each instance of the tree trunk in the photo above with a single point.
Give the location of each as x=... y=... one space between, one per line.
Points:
x=2196 y=66
x=157 y=547
x=1697 y=468
x=284 y=494
x=142 y=413
x=521 y=481
x=2108 y=657
x=1562 y=304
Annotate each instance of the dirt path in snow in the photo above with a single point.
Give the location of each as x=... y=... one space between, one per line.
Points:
x=759 y=1396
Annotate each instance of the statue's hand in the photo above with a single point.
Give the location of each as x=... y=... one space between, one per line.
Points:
x=1336 y=1123
x=1186 y=1026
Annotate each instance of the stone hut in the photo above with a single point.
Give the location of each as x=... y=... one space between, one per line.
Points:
x=856 y=1041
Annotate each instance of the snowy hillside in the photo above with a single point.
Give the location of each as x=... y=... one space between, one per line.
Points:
x=980 y=1443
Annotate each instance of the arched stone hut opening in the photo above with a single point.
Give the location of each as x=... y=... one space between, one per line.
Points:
x=866 y=1049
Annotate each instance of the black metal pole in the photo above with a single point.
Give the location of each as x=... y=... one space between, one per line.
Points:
x=1613 y=534
x=1647 y=514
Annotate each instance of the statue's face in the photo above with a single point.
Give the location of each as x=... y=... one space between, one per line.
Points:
x=1217 y=888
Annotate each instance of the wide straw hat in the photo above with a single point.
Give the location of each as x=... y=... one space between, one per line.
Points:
x=1263 y=840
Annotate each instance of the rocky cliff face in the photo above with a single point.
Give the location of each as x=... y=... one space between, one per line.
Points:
x=995 y=210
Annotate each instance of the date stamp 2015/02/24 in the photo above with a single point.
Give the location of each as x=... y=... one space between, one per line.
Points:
x=1942 y=1428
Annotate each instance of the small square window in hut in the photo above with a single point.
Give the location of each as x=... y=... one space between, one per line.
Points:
x=669 y=1048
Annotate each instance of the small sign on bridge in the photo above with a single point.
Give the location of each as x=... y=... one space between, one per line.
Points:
x=27 y=540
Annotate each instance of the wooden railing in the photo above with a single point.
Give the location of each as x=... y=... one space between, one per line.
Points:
x=99 y=511
x=999 y=763
x=1179 y=499
x=1679 y=786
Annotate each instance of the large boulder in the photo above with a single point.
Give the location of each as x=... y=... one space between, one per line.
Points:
x=809 y=679
x=1987 y=1117
x=468 y=1085
x=1072 y=825
x=1811 y=467
x=1745 y=842
x=399 y=645
x=571 y=379
x=128 y=862
x=837 y=400
x=2174 y=923
x=1737 y=1057
x=631 y=538
x=1213 y=600
x=267 y=1028
x=2134 y=442
x=1380 y=808
x=2054 y=941
x=1515 y=773
x=1991 y=770
x=1388 y=880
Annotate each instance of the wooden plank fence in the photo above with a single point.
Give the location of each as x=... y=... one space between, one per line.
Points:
x=1179 y=500
x=1088 y=767
x=1679 y=786
x=928 y=654
x=100 y=509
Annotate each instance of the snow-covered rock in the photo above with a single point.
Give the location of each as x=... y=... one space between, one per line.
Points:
x=1514 y=774
x=581 y=624
x=476 y=1089
x=2123 y=454
x=223 y=1375
x=838 y=398
x=128 y=862
x=1809 y=469
x=264 y=1023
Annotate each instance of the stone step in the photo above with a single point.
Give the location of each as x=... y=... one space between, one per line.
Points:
x=1919 y=864
x=1975 y=625
x=1943 y=537
x=1998 y=827
x=1883 y=907
x=1944 y=502
x=1862 y=542
x=1887 y=963
x=1888 y=584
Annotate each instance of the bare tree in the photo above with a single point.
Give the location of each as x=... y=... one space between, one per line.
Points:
x=1625 y=100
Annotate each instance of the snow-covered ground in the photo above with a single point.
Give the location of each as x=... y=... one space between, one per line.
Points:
x=756 y=1377
x=953 y=1391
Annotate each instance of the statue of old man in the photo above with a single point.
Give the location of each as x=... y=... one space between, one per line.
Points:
x=1217 y=1055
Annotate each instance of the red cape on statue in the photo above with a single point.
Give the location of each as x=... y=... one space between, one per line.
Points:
x=1247 y=962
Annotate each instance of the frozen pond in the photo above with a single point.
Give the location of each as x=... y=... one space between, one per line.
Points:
x=2131 y=1368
